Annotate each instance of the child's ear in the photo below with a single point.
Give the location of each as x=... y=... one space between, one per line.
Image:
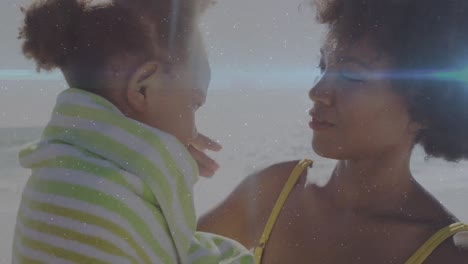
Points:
x=145 y=77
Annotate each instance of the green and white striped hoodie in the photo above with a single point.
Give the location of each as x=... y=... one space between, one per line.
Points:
x=107 y=189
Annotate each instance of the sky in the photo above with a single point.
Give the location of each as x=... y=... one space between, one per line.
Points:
x=252 y=44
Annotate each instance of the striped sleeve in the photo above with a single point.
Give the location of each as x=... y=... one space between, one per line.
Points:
x=78 y=216
x=80 y=209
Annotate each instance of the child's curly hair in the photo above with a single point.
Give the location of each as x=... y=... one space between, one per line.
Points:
x=81 y=37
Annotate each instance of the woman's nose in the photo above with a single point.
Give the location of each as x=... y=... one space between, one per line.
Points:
x=322 y=93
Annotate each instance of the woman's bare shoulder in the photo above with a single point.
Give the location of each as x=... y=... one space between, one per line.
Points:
x=245 y=211
x=261 y=189
x=271 y=178
x=433 y=217
x=448 y=252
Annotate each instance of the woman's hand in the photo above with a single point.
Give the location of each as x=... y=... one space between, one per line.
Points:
x=206 y=165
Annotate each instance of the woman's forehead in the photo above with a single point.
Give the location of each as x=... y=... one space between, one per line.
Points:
x=362 y=49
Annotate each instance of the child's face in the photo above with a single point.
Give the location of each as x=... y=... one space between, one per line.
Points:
x=173 y=110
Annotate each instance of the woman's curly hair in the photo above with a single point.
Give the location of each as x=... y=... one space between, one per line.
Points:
x=426 y=40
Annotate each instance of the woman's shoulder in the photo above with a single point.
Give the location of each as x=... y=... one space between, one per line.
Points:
x=263 y=189
x=449 y=252
x=260 y=189
x=434 y=220
x=248 y=207
x=272 y=177
x=264 y=186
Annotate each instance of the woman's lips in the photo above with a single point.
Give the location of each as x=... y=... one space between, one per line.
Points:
x=318 y=125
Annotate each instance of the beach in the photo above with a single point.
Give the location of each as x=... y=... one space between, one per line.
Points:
x=257 y=128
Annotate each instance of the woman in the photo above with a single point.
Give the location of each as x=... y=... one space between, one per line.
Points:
x=390 y=80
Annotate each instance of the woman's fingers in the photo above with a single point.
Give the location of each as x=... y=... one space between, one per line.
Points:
x=203 y=143
x=206 y=165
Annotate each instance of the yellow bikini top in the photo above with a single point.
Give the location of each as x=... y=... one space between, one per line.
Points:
x=418 y=257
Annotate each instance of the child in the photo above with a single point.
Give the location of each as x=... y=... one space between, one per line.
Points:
x=112 y=181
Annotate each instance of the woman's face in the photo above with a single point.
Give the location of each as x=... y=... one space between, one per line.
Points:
x=355 y=114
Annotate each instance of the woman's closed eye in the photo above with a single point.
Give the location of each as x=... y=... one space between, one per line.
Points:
x=322 y=68
x=353 y=69
x=353 y=76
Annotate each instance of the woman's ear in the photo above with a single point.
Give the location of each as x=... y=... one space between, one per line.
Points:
x=145 y=77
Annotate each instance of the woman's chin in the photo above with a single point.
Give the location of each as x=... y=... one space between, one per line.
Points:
x=327 y=150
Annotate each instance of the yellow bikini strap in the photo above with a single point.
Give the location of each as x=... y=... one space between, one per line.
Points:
x=432 y=243
x=293 y=178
